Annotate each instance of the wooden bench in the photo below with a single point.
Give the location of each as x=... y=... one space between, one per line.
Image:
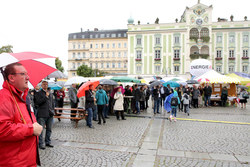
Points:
x=80 y=114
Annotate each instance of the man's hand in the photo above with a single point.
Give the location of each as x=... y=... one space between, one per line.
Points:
x=37 y=129
x=47 y=94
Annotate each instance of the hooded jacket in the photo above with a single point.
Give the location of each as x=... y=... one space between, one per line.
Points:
x=17 y=144
x=101 y=97
x=176 y=95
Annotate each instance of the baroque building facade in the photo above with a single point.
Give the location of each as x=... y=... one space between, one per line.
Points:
x=105 y=50
x=169 y=48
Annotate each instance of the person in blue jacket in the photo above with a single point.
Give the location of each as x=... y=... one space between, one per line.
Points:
x=101 y=101
x=175 y=101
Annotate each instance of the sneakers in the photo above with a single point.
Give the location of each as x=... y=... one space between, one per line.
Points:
x=174 y=119
x=170 y=118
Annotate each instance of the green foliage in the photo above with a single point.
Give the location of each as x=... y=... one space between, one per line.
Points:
x=205 y=39
x=86 y=71
x=6 y=49
x=58 y=64
x=194 y=38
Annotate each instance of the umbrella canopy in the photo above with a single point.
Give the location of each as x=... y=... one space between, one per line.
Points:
x=156 y=83
x=107 y=82
x=167 y=102
x=248 y=84
x=125 y=79
x=172 y=84
x=33 y=62
x=60 y=83
x=85 y=86
x=242 y=87
x=115 y=90
x=75 y=80
x=192 y=82
x=242 y=79
x=57 y=74
x=203 y=80
x=244 y=75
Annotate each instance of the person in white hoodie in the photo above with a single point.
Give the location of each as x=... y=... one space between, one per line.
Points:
x=185 y=100
x=118 y=107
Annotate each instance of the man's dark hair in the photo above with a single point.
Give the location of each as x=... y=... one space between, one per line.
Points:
x=136 y=85
x=10 y=69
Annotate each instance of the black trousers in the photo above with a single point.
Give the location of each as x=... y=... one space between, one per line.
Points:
x=100 y=113
x=142 y=105
x=73 y=105
x=195 y=103
x=223 y=102
x=117 y=113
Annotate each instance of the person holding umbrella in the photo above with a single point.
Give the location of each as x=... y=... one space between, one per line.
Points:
x=118 y=107
x=89 y=105
x=101 y=101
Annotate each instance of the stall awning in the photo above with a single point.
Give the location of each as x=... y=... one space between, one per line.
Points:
x=243 y=81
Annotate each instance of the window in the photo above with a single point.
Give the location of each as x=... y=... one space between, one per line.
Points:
x=83 y=36
x=218 y=54
x=119 y=65
x=108 y=35
x=113 y=54
x=157 y=54
x=157 y=68
x=83 y=46
x=91 y=46
x=113 y=35
x=90 y=55
x=102 y=45
x=74 y=36
x=96 y=65
x=231 y=53
x=101 y=65
x=83 y=55
x=245 y=68
x=219 y=39
x=119 y=35
x=107 y=65
x=138 y=69
x=157 y=40
x=245 y=53
x=125 y=35
x=102 y=55
x=125 y=45
x=107 y=54
x=107 y=45
x=218 y=68
x=90 y=65
x=73 y=74
x=96 y=54
x=79 y=46
x=113 y=45
x=119 y=54
x=113 y=65
x=231 y=69
x=125 y=65
x=119 y=45
x=177 y=40
x=138 y=54
x=245 y=38
x=74 y=55
x=231 y=38
x=96 y=35
x=138 y=41
x=176 y=68
x=74 y=46
x=102 y=35
x=91 y=36
x=79 y=55
x=73 y=66
x=176 y=53
x=96 y=46
x=78 y=65
x=125 y=54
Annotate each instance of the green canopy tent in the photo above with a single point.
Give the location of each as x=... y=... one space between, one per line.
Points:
x=125 y=79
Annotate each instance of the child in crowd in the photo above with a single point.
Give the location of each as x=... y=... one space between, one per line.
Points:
x=185 y=100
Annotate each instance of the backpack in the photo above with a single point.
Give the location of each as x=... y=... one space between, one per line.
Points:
x=245 y=95
x=174 y=101
x=186 y=96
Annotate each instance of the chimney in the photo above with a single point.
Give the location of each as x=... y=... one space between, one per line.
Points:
x=95 y=29
x=81 y=29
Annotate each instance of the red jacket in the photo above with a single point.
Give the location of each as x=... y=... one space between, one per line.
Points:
x=17 y=144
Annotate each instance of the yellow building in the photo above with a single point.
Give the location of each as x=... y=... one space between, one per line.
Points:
x=105 y=50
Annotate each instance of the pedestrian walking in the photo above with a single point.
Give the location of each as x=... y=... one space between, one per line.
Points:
x=45 y=113
x=224 y=94
x=174 y=105
x=19 y=128
x=73 y=99
x=157 y=99
x=185 y=100
x=118 y=107
x=207 y=94
x=137 y=99
x=142 y=99
x=196 y=94
x=101 y=101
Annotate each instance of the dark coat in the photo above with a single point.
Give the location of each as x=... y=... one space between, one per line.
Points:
x=89 y=99
x=207 y=91
x=45 y=105
x=156 y=94
x=137 y=94
x=224 y=94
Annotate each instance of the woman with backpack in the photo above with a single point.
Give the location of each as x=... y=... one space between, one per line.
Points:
x=243 y=98
x=175 y=101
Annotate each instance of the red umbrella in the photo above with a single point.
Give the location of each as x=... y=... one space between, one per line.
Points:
x=115 y=90
x=203 y=80
x=85 y=86
x=38 y=65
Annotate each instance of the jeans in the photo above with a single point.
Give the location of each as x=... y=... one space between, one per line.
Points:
x=100 y=113
x=137 y=107
x=95 y=113
x=105 y=111
x=156 y=105
x=173 y=112
x=48 y=122
x=207 y=99
x=89 y=118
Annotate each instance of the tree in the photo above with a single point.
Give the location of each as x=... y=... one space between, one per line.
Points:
x=85 y=71
x=6 y=49
x=58 y=64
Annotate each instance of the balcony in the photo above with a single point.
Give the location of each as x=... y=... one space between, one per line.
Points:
x=244 y=58
x=157 y=59
x=197 y=56
x=137 y=59
x=231 y=58
x=218 y=58
x=176 y=58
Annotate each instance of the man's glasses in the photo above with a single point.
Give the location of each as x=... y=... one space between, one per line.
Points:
x=22 y=74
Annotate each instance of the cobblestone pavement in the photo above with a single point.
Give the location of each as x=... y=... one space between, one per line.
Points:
x=151 y=140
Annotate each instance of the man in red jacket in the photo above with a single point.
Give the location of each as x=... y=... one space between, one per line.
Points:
x=18 y=128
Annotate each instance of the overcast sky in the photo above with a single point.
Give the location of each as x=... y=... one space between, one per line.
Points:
x=43 y=25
